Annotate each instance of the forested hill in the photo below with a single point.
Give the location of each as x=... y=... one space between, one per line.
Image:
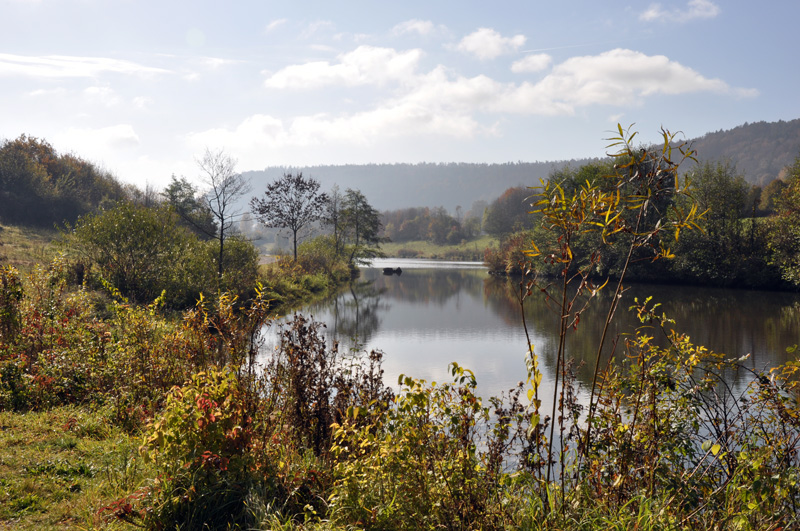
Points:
x=391 y=186
x=759 y=150
x=39 y=186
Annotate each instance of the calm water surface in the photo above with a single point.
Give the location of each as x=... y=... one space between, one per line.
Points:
x=436 y=313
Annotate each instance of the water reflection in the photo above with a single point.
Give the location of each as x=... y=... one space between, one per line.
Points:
x=430 y=316
x=354 y=315
x=734 y=322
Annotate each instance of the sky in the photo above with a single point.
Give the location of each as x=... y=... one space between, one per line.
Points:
x=144 y=88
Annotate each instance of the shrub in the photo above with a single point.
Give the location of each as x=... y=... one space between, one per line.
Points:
x=141 y=251
x=10 y=298
x=432 y=461
x=200 y=443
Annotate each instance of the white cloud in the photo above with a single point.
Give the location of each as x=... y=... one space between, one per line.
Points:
x=257 y=133
x=364 y=65
x=532 y=63
x=95 y=144
x=423 y=27
x=486 y=43
x=274 y=24
x=315 y=27
x=621 y=77
x=102 y=95
x=142 y=102
x=618 y=77
x=214 y=63
x=440 y=103
x=694 y=9
x=60 y=66
x=58 y=91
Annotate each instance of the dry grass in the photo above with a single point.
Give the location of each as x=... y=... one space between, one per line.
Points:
x=24 y=247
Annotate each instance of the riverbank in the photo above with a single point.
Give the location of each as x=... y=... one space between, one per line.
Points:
x=467 y=251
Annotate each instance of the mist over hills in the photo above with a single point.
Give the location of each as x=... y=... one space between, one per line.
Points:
x=759 y=150
x=392 y=186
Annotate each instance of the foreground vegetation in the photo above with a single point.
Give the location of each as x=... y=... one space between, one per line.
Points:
x=123 y=413
x=143 y=420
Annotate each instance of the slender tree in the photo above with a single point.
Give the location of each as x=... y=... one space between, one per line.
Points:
x=292 y=202
x=225 y=186
x=333 y=218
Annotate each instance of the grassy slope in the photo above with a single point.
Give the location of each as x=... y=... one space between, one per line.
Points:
x=58 y=467
x=24 y=247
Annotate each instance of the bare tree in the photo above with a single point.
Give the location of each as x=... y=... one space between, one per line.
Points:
x=225 y=186
x=292 y=202
x=333 y=218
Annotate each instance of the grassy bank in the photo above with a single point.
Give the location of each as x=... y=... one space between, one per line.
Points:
x=472 y=250
x=62 y=467
x=69 y=441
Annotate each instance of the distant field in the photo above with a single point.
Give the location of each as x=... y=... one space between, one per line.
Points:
x=23 y=247
x=472 y=250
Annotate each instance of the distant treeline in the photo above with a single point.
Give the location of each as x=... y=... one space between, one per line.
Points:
x=509 y=212
x=393 y=186
x=39 y=186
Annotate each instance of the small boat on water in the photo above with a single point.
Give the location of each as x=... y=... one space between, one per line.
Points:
x=392 y=271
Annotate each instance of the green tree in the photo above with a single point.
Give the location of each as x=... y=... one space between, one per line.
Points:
x=784 y=241
x=362 y=223
x=292 y=202
x=334 y=219
x=440 y=225
x=184 y=198
x=730 y=249
x=39 y=186
x=770 y=195
x=509 y=212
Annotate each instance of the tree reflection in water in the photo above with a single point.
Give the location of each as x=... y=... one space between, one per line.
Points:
x=429 y=317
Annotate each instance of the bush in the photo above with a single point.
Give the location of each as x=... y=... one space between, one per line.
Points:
x=200 y=443
x=141 y=251
x=10 y=297
x=319 y=255
x=432 y=461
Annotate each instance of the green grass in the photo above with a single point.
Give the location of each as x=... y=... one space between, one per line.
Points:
x=472 y=250
x=24 y=247
x=58 y=468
